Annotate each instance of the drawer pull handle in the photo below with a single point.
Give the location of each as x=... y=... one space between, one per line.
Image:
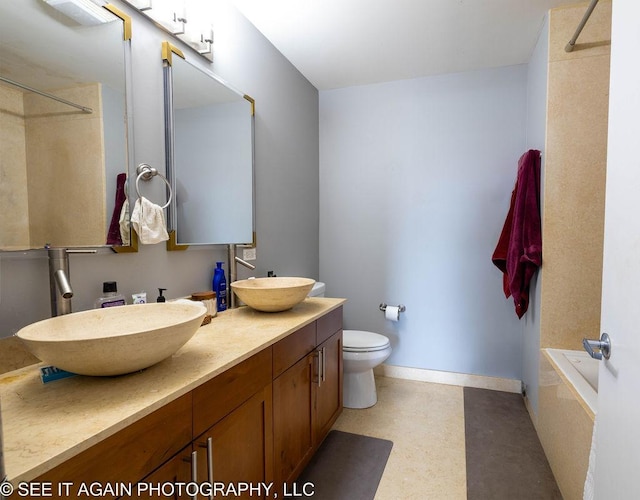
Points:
x=209 y=446
x=210 y=463
x=324 y=364
x=193 y=459
x=321 y=366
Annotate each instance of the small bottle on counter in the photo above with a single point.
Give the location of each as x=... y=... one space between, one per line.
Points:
x=110 y=296
x=220 y=287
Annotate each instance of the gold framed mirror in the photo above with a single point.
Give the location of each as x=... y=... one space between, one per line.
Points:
x=209 y=141
x=66 y=127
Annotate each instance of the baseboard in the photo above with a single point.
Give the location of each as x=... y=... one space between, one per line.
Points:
x=449 y=378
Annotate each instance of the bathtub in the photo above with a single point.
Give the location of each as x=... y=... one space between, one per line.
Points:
x=567 y=405
x=581 y=372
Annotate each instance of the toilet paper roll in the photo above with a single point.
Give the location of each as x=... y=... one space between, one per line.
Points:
x=392 y=313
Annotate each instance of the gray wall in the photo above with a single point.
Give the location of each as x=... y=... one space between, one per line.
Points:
x=286 y=179
x=536 y=135
x=415 y=181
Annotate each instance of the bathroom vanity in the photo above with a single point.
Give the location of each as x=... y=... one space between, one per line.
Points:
x=247 y=400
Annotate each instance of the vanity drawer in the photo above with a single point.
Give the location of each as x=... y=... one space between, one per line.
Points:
x=218 y=397
x=290 y=349
x=329 y=324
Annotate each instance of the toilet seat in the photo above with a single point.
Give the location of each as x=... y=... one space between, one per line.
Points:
x=361 y=341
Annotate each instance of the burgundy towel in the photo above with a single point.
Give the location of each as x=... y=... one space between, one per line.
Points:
x=113 y=236
x=519 y=250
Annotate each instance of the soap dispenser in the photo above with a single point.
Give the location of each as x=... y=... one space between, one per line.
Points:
x=161 y=298
x=220 y=287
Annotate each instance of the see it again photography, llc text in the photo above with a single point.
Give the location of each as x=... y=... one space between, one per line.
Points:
x=154 y=490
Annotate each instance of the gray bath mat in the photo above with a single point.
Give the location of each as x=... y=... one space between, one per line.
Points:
x=346 y=466
x=505 y=459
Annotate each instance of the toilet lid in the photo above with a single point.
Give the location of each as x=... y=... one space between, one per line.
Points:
x=357 y=340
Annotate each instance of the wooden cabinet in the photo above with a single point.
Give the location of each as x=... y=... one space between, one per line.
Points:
x=233 y=440
x=329 y=389
x=258 y=422
x=239 y=448
x=293 y=418
x=158 y=483
x=307 y=393
x=218 y=397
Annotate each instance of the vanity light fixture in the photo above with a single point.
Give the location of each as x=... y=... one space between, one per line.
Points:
x=84 y=12
x=187 y=20
x=170 y=14
x=199 y=37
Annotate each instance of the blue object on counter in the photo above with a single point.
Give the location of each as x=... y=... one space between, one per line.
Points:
x=220 y=287
x=51 y=373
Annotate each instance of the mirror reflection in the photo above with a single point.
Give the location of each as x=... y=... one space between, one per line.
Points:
x=63 y=131
x=209 y=157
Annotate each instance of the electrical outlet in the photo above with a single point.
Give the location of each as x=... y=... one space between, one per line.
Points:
x=248 y=254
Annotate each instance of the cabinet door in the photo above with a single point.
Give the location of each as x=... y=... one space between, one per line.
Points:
x=162 y=483
x=329 y=391
x=293 y=419
x=239 y=448
x=227 y=391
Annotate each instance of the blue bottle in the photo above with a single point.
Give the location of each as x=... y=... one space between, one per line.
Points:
x=220 y=287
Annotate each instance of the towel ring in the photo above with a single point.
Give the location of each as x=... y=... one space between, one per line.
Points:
x=147 y=172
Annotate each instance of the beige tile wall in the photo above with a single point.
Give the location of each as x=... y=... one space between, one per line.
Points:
x=66 y=175
x=575 y=168
x=14 y=203
x=573 y=228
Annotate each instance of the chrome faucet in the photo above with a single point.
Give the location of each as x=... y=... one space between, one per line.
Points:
x=234 y=260
x=59 y=285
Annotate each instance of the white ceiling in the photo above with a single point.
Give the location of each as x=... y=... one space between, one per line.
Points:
x=340 y=43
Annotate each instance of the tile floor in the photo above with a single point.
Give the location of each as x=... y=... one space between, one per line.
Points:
x=426 y=424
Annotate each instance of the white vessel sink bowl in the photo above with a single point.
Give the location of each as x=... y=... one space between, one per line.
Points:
x=272 y=294
x=113 y=340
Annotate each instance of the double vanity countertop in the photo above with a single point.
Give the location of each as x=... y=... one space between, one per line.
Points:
x=46 y=424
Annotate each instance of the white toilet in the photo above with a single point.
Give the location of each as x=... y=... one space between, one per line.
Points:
x=361 y=353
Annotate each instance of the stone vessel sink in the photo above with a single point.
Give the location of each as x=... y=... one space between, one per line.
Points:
x=113 y=340
x=272 y=294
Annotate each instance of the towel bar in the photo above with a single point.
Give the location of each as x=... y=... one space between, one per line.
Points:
x=147 y=172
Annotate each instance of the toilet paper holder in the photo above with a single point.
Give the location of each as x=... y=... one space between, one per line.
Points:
x=401 y=308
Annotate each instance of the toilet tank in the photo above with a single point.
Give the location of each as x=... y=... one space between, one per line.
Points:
x=317 y=290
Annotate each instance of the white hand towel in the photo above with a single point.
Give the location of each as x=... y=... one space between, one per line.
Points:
x=125 y=232
x=148 y=221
